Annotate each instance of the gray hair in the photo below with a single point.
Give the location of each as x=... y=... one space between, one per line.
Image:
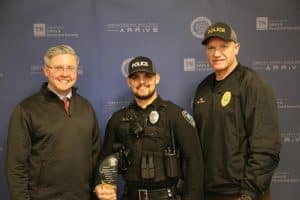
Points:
x=59 y=50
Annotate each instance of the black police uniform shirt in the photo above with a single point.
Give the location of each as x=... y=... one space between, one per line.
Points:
x=237 y=122
x=153 y=140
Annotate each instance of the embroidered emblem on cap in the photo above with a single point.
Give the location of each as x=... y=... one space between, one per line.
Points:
x=141 y=64
x=216 y=30
x=188 y=117
x=225 y=100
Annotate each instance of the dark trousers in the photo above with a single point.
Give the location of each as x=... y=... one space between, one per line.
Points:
x=209 y=196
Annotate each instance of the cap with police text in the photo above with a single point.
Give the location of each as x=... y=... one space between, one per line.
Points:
x=141 y=64
x=220 y=30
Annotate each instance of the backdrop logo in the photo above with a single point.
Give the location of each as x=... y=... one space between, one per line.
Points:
x=291 y=137
x=192 y=65
x=199 y=25
x=269 y=24
x=1 y=75
x=36 y=69
x=39 y=30
x=42 y=30
x=261 y=23
x=285 y=177
x=133 y=28
x=277 y=65
x=282 y=103
x=124 y=66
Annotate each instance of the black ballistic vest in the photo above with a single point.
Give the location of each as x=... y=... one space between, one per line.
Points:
x=146 y=143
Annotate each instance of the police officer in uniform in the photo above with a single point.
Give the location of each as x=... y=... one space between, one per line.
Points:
x=236 y=115
x=160 y=138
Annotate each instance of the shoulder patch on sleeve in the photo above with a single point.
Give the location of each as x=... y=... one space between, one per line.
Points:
x=188 y=117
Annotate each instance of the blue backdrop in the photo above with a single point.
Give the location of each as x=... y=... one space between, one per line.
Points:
x=106 y=34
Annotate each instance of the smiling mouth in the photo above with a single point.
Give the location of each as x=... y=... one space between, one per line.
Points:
x=218 y=60
x=64 y=80
x=142 y=86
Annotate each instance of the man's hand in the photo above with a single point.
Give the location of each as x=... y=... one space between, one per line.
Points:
x=106 y=191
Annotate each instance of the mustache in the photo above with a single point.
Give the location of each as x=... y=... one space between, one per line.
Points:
x=142 y=84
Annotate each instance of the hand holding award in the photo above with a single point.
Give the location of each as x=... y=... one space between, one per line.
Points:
x=108 y=171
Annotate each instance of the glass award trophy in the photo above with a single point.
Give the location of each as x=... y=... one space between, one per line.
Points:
x=109 y=170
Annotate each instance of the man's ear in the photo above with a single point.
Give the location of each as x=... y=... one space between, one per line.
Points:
x=46 y=71
x=237 y=48
x=128 y=83
x=157 y=79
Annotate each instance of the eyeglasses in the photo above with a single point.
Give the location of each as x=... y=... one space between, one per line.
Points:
x=61 y=69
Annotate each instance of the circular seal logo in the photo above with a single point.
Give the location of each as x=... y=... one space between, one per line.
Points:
x=124 y=66
x=226 y=98
x=199 y=25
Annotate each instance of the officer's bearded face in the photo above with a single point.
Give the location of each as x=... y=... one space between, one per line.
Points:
x=143 y=85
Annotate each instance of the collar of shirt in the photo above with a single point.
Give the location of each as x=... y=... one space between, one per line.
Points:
x=69 y=95
x=154 y=105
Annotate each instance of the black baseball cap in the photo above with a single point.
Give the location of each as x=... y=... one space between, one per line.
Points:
x=141 y=64
x=221 y=30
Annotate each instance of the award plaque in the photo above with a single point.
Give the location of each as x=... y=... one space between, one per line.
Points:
x=109 y=170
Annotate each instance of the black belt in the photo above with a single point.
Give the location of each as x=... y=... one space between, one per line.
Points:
x=151 y=194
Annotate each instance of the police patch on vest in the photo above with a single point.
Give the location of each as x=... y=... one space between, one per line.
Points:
x=188 y=118
x=226 y=98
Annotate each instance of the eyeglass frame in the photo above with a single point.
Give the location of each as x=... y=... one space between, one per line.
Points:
x=61 y=69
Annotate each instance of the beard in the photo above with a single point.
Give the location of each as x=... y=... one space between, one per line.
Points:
x=144 y=97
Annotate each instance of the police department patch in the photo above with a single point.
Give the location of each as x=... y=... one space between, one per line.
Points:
x=188 y=118
x=226 y=98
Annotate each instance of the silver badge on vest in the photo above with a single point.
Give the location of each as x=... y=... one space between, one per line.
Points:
x=153 y=117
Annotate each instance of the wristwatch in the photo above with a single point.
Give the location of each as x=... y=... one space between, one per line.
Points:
x=245 y=197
